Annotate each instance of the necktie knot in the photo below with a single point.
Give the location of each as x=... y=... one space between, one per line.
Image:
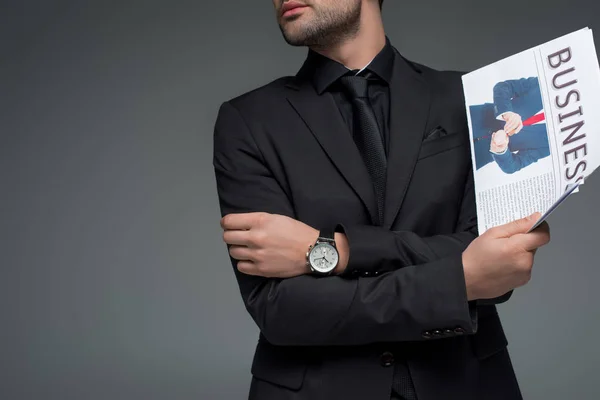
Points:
x=356 y=85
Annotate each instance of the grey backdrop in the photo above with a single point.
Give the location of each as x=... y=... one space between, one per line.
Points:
x=114 y=281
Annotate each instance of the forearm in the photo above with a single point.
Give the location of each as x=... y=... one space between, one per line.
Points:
x=404 y=305
x=373 y=250
x=512 y=162
x=505 y=91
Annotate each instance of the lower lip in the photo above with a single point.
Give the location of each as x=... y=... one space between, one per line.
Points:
x=293 y=11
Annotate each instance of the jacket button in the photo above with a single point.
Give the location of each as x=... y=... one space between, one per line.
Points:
x=459 y=330
x=427 y=335
x=387 y=359
x=437 y=332
x=448 y=331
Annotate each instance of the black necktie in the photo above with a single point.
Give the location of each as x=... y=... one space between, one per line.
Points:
x=367 y=135
x=368 y=139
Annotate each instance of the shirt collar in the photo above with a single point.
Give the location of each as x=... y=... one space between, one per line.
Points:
x=326 y=71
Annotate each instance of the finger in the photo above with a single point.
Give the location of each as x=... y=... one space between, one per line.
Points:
x=521 y=225
x=537 y=238
x=512 y=124
x=242 y=221
x=247 y=267
x=544 y=227
x=241 y=253
x=239 y=237
x=532 y=241
x=519 y=127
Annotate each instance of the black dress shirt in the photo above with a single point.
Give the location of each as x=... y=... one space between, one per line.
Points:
x=327 y=72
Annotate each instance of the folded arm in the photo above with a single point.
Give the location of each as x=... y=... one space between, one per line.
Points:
x=401 y=305
x=505 y=91
x=375 y=250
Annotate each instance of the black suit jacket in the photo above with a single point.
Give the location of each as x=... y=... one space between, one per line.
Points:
x=284 y=149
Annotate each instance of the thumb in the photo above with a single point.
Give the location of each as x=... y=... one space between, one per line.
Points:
x=521 y=225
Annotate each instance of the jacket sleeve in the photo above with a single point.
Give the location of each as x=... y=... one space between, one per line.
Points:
x=374 y=250
x=417 y=302
x=505 y=91
x=510 y=162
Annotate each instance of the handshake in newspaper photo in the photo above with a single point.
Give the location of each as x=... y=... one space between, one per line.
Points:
x=514 y=124
x=511 y=131
x=500 y=139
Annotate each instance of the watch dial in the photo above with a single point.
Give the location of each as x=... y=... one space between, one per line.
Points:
x=323 y=257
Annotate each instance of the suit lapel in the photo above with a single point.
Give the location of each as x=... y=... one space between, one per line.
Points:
x=409 y=109
x=321 y=115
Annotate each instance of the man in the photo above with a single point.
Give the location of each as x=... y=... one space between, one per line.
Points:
x=348 y=210
x=511 y=131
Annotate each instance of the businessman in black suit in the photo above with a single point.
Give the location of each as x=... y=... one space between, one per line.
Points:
x=347 y=203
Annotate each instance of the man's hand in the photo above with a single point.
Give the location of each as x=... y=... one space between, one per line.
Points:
x=514 y=123
x=499 y=142
x=272 y=245
x=501 y=259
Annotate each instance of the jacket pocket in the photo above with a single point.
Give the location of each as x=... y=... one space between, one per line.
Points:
x=283 y=366
x=450 y=141
x=490 y=337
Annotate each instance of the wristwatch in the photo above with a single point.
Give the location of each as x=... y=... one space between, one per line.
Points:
x=322 y=257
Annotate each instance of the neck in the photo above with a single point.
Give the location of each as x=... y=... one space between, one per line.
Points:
x=357 y=51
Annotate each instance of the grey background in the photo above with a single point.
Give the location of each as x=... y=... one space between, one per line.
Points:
x=114 y=281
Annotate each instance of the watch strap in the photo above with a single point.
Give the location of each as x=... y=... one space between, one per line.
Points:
x=327 y=234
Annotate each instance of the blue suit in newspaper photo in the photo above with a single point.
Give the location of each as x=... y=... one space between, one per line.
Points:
x=518 y=105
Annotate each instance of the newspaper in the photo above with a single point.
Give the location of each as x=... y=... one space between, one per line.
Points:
x=533 y=123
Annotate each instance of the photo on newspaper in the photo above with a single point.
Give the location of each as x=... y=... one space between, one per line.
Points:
x=533 y=124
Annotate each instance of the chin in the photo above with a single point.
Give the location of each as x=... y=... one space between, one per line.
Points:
x=294 y=36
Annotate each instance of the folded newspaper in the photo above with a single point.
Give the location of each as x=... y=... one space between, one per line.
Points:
x=534 y=121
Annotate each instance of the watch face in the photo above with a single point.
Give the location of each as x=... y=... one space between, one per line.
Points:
x=323 y=257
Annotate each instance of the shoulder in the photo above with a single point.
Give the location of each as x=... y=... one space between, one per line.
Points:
x=262 y=99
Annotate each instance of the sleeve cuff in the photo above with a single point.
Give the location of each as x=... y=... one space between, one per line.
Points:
x=442 y=309
x=446 y=308
x=368 y=249
x=500 y=116
x=503 y=108
x=499 y=154
x=496 y=300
